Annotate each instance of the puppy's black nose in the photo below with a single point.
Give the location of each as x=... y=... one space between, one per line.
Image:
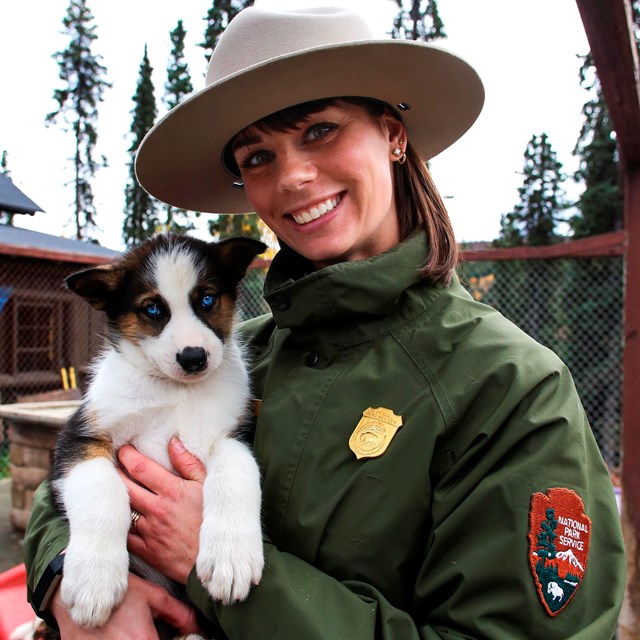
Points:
x=192 y=359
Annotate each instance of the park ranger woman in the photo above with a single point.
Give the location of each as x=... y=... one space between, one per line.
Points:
x=424 y=461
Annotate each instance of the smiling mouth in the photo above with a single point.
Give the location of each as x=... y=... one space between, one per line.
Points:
x=317 y=211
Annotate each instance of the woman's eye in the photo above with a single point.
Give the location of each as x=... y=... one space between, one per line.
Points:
x=207 y=301
x=320 y=130
x=153 y=310
x=256 y=159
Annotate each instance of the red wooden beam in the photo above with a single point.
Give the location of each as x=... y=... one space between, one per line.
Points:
x=81 y=258
x=630 y=395
x=47 y=254
x=608 y=25
x=602 y=246
x=609 y=29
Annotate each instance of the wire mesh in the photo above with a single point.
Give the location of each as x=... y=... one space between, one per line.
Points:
x=575 y=307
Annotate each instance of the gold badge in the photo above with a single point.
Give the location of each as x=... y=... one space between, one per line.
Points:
x=374 y=432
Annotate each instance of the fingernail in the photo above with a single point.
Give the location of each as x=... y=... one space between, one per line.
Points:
x=176 y=443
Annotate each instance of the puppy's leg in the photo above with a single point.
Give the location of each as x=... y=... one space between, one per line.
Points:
x=96 y=564
x=231 y=555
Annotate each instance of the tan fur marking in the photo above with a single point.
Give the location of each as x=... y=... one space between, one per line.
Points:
x=224 y=316
x=129 y=326
x=100 y=449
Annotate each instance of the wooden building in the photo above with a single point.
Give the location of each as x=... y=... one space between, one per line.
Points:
x=43 y=327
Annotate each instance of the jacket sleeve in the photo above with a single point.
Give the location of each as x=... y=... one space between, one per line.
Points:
x=47 y=535
x=475 y=581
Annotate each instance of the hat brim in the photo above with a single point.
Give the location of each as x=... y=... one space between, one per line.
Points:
x=180 y=159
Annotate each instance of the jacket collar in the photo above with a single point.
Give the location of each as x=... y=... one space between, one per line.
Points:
x=348 y=302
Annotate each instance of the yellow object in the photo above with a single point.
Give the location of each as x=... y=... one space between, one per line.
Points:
x=374 y=432
x=65 y=379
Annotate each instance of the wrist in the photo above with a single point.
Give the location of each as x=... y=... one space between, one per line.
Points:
x=47 y=589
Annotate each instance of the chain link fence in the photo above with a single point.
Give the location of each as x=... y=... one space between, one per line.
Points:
x=573 y=306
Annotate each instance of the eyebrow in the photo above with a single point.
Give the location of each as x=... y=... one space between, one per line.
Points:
x=245 y=141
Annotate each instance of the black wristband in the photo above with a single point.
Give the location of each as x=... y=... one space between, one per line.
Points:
x=45 y=589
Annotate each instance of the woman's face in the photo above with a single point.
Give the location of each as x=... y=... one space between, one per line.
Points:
x=325 y=188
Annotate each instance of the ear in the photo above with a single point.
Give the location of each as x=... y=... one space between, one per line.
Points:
x=393 y=128
x=236 y=254
x=95 y=285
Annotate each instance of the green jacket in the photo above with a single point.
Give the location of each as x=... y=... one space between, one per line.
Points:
x=460 y=527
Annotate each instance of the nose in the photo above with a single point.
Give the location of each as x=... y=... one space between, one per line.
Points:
x=294 y=170
x=192 y=359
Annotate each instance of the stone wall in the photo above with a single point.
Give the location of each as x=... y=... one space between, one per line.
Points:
x=31 y=447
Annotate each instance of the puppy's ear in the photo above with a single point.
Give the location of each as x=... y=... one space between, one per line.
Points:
x=236 y=255
x=96 y=285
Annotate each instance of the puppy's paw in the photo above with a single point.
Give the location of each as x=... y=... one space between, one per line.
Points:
x=92 y=586
x=229 y=564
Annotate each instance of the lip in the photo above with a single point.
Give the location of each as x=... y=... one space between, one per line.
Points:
x=316 y=210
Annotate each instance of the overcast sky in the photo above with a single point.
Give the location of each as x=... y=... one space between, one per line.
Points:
x=525 y=51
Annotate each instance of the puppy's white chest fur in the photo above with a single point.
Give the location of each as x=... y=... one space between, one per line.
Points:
x=147 y=411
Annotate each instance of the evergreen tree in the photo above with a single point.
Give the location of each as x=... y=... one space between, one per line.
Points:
x=534 y=220
x=141 y=218
x=178 y=83
x=178 y=86
x=419 y=21
x=6 y=217
x=600 y=205
x=218 y=17
x=547 y=535
x=84 y=79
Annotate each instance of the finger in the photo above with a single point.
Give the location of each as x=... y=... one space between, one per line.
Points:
x=145 y=471
x=178 y=614
x=137 y=545
x=140 y=498
x=184 y=462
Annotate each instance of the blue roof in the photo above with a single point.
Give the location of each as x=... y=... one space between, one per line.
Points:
x=13 y=200
x=25 y=240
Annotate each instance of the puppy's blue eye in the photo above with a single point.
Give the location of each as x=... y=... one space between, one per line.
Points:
x=207 y=302
x=153 y=311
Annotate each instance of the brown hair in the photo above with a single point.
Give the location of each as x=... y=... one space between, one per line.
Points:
x=418 y=203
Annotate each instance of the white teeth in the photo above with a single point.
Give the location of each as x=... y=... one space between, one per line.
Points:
x=317 y=212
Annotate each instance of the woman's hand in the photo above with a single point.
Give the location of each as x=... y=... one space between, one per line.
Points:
x=167 y=533
x=133 y=618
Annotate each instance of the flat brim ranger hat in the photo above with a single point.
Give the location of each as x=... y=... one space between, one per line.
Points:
x=266 y=61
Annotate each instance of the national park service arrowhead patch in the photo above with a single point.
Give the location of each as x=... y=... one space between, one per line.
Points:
x=559 y=534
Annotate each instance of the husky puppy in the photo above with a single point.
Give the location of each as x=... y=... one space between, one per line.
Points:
x=172 y=367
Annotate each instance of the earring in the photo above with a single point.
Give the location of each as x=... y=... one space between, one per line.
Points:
x=399 y=153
